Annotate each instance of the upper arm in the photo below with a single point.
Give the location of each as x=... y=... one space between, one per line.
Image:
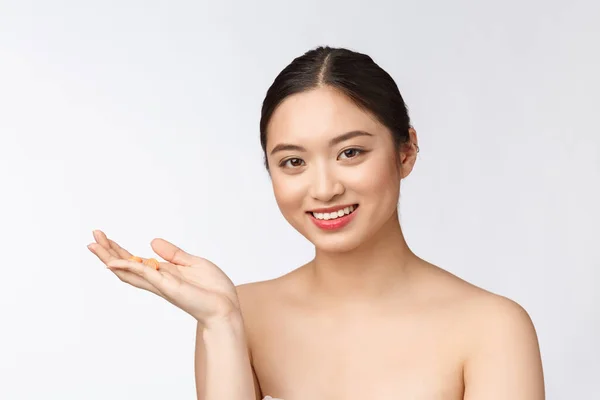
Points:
x=504 y=362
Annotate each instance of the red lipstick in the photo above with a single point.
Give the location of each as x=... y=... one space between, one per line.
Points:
x=336 y=223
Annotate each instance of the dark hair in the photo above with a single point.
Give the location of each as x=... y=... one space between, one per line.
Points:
x=352 y=73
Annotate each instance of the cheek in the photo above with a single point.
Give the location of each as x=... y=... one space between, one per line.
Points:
x=289 y=192
x=378 y=178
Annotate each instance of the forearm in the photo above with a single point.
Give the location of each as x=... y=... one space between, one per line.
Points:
x=228 y=373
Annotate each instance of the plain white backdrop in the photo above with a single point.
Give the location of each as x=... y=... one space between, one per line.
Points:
x=140 y=118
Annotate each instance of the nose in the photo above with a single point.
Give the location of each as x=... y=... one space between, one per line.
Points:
x=325 y=185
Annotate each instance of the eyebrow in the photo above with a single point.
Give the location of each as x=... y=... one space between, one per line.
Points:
x=336 y=140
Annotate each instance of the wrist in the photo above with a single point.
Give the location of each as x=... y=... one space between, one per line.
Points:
x=228 y=323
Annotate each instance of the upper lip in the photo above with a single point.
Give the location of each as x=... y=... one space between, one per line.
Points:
x=330 y=209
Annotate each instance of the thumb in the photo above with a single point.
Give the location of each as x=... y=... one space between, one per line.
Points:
x=173 y=254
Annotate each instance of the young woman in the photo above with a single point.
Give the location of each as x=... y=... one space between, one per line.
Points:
x=366 y=318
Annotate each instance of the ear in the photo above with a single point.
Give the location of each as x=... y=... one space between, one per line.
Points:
x=408 y=154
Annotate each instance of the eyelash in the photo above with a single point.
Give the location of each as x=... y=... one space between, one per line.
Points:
x=358 y=151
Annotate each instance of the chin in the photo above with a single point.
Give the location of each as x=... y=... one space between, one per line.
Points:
x=340 y=242
x=337 y=244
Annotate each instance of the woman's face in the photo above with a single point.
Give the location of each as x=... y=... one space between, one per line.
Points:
x=325 y=152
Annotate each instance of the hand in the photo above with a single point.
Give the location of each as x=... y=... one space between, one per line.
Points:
x=191 y=283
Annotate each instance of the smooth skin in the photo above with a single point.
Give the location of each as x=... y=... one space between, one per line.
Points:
x=366 y=318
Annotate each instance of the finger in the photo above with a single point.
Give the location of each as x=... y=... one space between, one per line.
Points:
x=135 y=280
x=124 y=254
x=104 y=255
x=145 y=271
x=103 y=241
x=125 y=276
x=173 y=254
x=161 y=280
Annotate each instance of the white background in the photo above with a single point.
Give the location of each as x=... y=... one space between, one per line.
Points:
x=141 y=118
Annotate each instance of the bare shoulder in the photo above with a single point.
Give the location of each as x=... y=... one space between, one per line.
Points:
x=262 y=301
x=498 y=322
x=501 y=356
x=479 y=307
x=498 y=313
x=254 y=296
x=504 y=355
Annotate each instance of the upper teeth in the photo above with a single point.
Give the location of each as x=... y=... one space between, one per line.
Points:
x=336 y=214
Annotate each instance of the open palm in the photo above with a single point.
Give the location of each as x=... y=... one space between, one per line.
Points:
x=192 y=283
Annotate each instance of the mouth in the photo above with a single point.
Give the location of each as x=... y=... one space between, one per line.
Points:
x=334 y=214
x=334 y=219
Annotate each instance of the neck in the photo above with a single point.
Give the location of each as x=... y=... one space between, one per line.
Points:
x=368 y=272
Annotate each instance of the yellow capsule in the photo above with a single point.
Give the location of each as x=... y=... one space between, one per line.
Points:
x=151 y=262
x=136 y=259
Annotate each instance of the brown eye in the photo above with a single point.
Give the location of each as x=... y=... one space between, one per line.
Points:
x=292 y=162
x=351 y=153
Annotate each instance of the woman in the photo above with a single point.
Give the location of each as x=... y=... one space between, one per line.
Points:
x=366 y=318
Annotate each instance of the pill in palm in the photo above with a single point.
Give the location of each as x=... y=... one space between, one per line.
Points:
x=151 y=262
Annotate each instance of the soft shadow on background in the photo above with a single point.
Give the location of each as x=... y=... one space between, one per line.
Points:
x=141 y=119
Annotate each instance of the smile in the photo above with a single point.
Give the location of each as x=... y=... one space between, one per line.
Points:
x=335 y=219
x=335 y=214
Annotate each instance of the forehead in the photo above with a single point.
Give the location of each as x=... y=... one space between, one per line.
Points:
x=316 y=116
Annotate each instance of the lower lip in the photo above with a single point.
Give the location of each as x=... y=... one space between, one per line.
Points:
x=333 y=224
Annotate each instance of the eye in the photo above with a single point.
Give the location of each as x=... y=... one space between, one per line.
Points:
x=351 y=153
x=291 y=163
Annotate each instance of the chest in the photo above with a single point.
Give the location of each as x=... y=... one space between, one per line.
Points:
x=359 y=358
